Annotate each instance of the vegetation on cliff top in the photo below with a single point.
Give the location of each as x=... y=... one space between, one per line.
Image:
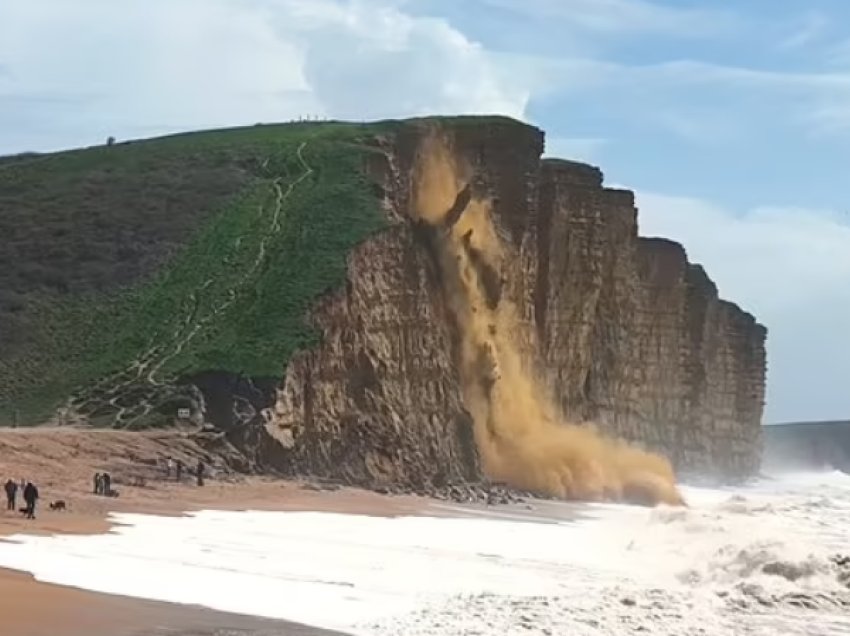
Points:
x=135 y=264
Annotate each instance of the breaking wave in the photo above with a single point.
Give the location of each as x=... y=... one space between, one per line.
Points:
x=769 y=559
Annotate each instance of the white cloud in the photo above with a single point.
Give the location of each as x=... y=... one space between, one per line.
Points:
x=203 y=63
x=188 y=63
x=790 y=268
x=384 y=63
x=148 y=65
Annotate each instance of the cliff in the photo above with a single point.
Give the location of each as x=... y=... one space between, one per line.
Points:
x=704 y=360
x=385 y=305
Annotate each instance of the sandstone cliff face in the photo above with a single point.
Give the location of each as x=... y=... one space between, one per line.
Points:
x=378 y=404
x=704 y=364
x=588 y=301
x=622 y=331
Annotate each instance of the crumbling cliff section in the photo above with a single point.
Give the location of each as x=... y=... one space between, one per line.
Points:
x=622 y=331
x=378 y=404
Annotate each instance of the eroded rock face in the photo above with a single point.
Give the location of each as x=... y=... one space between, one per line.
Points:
x=705 y=364
x=588 y=299
x=377 y=403
x=622 y=331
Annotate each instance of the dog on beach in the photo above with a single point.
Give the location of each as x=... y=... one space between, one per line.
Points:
x=58 y=505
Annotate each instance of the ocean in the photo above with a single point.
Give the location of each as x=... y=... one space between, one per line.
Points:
x=761 y=560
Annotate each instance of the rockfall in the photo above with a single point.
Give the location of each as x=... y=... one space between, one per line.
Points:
x=622 y=330
x=416 y=305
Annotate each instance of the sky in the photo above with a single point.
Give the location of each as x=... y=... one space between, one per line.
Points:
x=730 y=121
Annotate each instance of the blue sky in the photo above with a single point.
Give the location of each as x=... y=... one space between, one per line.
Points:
x=731 y=121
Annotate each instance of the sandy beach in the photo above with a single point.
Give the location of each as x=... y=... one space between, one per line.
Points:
x=30 y=608
x=62 y=463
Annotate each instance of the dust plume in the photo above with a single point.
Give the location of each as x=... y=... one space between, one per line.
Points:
x=521 y=437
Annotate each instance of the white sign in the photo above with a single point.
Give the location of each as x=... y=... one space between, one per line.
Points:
x=184 y=414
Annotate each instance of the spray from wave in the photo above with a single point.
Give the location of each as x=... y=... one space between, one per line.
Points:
x=521 y=437
x=739 y=561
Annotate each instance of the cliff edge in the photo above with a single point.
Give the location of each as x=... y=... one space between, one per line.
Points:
x=404 y=304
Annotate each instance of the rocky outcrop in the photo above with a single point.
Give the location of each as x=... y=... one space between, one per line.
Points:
x=622 y=331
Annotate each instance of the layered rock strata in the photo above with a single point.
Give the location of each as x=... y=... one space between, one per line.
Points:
x=622 y=331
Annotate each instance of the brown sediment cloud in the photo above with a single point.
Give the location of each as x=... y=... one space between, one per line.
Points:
x=522 y=438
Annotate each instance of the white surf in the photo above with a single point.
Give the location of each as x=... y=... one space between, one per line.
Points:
x=755 y=560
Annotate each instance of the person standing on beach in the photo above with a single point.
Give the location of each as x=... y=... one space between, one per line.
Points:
x=31 y=498
x=106 y=484
x=200 y=472
x=11 y=494
x=98 y=483
x=169 y=464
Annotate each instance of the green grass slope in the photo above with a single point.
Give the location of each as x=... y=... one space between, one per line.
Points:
x=125 y=267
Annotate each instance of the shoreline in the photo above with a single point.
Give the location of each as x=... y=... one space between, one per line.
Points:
x=62 y=464
x=33 y=608
x=88 y=513
x=79 y=612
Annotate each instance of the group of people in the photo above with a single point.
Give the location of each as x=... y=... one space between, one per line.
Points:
x=103 y=485
x=176 y=468
x=30 y=495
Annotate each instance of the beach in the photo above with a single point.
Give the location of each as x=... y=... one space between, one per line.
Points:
x=63 y=461
x=31 y=608
x=271 y=557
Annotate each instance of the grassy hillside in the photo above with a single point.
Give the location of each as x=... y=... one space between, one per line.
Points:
x=130 y=265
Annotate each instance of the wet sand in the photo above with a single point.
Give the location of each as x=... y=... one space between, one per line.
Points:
x=30 y=608
x=62 y=463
